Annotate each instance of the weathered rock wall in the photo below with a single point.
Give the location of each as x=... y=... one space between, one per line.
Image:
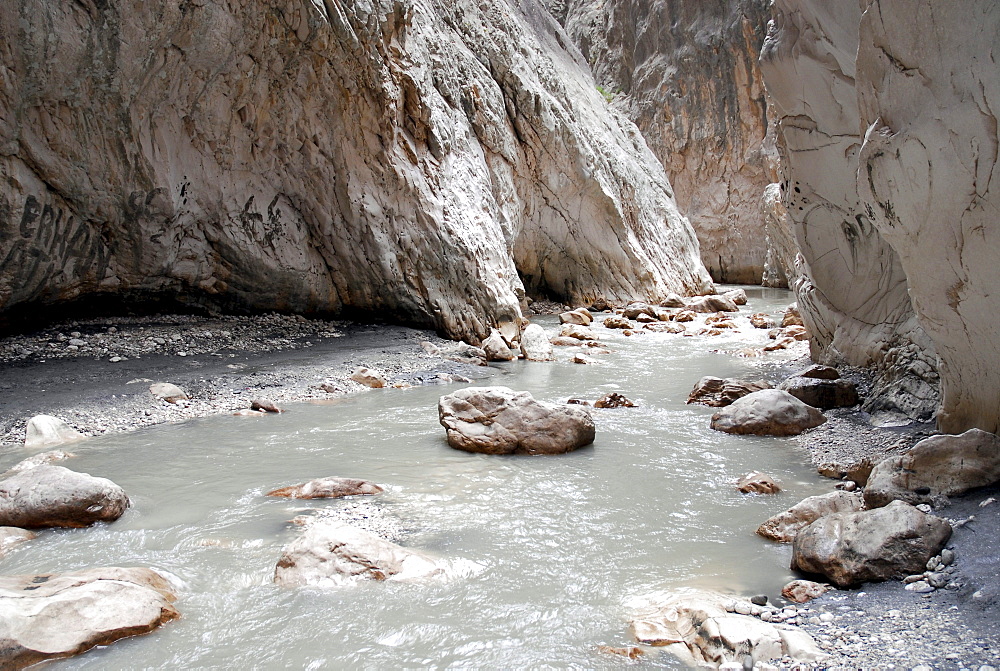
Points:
x=424 y=159
x=888 y=142
x=686 y=73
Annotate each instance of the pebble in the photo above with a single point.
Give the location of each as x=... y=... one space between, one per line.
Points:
x=937 y=580
x=947 y=557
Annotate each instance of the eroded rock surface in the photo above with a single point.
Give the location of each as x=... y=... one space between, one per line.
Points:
x=53 y=496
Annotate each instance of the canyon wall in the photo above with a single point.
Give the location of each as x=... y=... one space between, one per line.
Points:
x=888 y=143
x=429 y=161
x=686 y=73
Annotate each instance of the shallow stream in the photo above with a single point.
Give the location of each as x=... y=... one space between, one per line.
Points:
x=562 y=542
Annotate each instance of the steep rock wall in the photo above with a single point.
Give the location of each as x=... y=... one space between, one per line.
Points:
x=413 y=157
x=851 y=286
x=686 y=73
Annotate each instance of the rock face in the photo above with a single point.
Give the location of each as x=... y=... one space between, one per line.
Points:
x=870 y=545
x=935 y=467
x=498 y=420
x=50 y=616
x=46 y=431
x=686 y=72
x=329 y=554
x=784 y=526
x=769 y=412
x=328 y=488
x=53 y=496
x=423 y=159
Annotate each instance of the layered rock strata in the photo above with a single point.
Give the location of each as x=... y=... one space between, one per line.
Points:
x=686 y=73
x=425 y=159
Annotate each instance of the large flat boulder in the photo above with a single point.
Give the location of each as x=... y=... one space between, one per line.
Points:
x=784 y=526
x=870 y=545
x=499 y=420
x=59 y=615
x=719 y=392
x=937 y=466
x=53 y=496
x=768 y=412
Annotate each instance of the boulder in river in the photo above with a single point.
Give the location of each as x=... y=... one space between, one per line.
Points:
x=328 y=488
x=760 y=320
x=672 y=301
x=168 y=392
x=946 y=465
x=47 y=431
x=37 y=460
x=699 y=628
x=614 y=400
x=768 y=412
x=369 y=377
x=496 y=349
x=737 y=296
x=499 y=420
x=580 y=317
x=535 y=344
x=718 y=392
x=869 y=545
x=618 y=323
x=53 y=496
x=11 y=537
x=821 y=393
x=330 y=554
x=792 y=317
x=784 y=526
x=49 y=616
x=635 y=310
x=578 y=332
x=711 y=304
x=264 y=405
x=757 y=483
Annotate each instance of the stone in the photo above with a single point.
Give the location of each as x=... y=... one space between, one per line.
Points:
x=672 y=301
x=711 y=304
x=11 y=537
x=757 y=483
x=759 y=599
x=328 y=488
x=685 y=316
x=264 y=405
x=168 y=392
x=46 y=431
x=613 y=400
x=584 y=360
x=368 y=377
x=496 y=349
x=580 y=317
x=664 y=327
x=37 y=460
x=856 y=470
x=820 y=372
x=784 y=526
x=945 y=465
x=717 y=392
x=634 y=310
x=759 y=320
x=577 y=332
x=631 y=652
x=869 y=545
x=53 y=496
x=618 y=323
x=498 y=420
x=803 y=591
x=49 y=616
x=563 y=341
x=535 y=344
x=332 y=554
x=821 y=393
x=713 y=634
x=791 y=317
x=769 y=412
x=737 y=296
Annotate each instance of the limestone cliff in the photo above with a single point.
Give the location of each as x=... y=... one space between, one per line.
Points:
x=427 y=159
x=686 y=72
x=888 y=142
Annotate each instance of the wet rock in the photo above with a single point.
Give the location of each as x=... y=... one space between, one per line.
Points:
x=821 y=393
x=562 y=341
x=757 y=483
x=613 y=400
x=584 y=360
x=737 y=296
x=685 y=316
x=759 y=320
x=945 y=465
x=535 y=344
x=498 y=420
x=634 y=310
x=330 y=554
x=168 y=392
x=769 y=412
x=11 y=537
x=49 y=616
x=718 y=392
x=820 y=372
x=577 y=332
x=328 y=488
x=711 y=634
x=801 y=591
x=852 y=548
x=672 y=301
x=580 y=317
x=263 y=405
x=37 y=460
x=664 y=327
x=618 y=323
x=784 y=526
x=632 y=652
x=53 y=496
x=792 y=317
x=368 y=377
x=711 y=304
x=46 y=431
x=496 y=349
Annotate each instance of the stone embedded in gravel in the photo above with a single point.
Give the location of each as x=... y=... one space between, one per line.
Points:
x=168 y=392
x=496 y=348
x=368 y=377
x=938 y=466
x=717 y=392
x=768 y=412
x=784 y=526
x=535 y=344
x=330 y=554
x=802 y=591
x=614 y=400
x=852 y=548
x=498 y=420
x=47 y=431
x=11 y=537
x=264 y=405
x=328 y=488
x=49 y=616
x=53 y=496
x=757 y=483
